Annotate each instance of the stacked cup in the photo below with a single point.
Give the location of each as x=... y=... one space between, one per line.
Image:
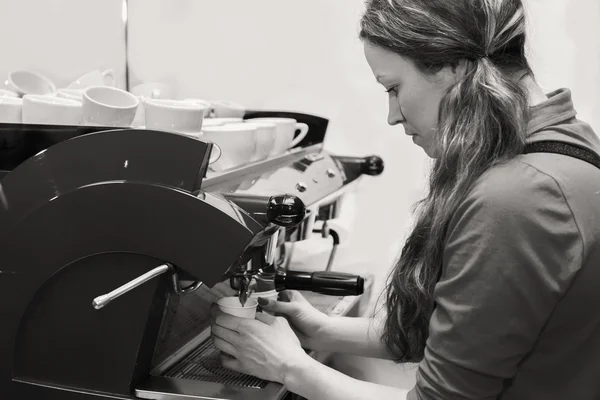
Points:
x=177 y=117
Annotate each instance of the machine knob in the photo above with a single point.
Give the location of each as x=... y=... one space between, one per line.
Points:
x=301 y=187
x=286 y=210
x=372 y=165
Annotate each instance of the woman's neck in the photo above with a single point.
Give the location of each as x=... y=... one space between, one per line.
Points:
x=535 y=94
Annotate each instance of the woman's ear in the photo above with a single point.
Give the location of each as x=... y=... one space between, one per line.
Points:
x=450 y=74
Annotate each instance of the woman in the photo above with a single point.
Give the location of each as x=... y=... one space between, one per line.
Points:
x=496 y=290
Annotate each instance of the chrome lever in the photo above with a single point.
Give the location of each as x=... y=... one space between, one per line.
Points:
x=104 y=299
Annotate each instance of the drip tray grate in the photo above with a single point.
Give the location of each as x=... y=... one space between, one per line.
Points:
x=204 y=364
x=322 y=302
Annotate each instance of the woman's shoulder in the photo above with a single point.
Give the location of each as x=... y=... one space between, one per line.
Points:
x=514 y=186
x=536 y=190
x=534 y=179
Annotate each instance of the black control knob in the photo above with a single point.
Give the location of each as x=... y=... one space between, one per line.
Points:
x=325 y=282
x=372 y=165
x=354 y=167
x=286 y=210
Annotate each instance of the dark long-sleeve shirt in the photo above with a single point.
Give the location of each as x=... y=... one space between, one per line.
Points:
x=517 y=313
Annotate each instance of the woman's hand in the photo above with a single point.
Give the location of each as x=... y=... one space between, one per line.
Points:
x=264 y=347
x=305 y=320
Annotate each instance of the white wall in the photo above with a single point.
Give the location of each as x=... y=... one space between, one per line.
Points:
x=302 y=56
x=564 y=50
x=62 y=39
x=306 y=56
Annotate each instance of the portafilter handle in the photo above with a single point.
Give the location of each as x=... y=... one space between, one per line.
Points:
x=324 y=282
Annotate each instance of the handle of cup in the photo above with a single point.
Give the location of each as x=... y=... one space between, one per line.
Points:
x=303 y=131
x=215 y=154
x=109 y=77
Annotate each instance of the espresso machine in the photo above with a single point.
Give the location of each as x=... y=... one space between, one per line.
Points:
x=114 y=243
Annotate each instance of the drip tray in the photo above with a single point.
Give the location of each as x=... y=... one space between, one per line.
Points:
x=204 y=364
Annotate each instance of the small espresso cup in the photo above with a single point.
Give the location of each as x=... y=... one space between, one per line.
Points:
x=236 y=141
x=8 y=93
x=94 y=78
x=271 y=295
x=71 y=94
x=50 y=110
x=228 y=109
x=179 y=117
x=11 y=109
x=266 y=133
x=208 y=108
x=174 y=116
x=108 y=106
x=28 y=82
x=232 y=306
x=286 y=129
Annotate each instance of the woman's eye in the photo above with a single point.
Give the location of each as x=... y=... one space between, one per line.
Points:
x=391 y=90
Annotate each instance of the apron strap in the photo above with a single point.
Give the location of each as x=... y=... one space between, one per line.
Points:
x=567 y=149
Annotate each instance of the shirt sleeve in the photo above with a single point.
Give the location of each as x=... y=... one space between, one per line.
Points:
x=511 y=252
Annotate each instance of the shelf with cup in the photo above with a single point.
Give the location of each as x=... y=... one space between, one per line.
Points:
x=241 y=173
x=20 y=141
x=281 y=138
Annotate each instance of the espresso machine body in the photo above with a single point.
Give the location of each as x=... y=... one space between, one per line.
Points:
x=114 y=243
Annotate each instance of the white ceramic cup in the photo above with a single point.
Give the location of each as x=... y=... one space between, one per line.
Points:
x=286 y=129
x=94 y=78
x=28 y=82
x=232 y=306
x=108 y=106
x=237 y=143
x=174 y=116
x=154 y=90
x=71 y=94
x=50 y=110
x=145 y=91
x=208 y=108
x=7 y=93
x=223 y=121
x=228 y=109
x=212 y=122
x=265 y=138
x=11 y=109
x=177 y=116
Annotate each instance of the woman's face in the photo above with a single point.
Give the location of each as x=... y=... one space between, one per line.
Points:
x=413 y=97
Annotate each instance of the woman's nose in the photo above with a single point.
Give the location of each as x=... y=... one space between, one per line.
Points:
x=394 y=113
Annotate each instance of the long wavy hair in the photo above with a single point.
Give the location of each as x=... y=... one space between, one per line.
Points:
x=482 y=122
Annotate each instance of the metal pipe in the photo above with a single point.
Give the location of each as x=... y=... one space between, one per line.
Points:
x=104 y=299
